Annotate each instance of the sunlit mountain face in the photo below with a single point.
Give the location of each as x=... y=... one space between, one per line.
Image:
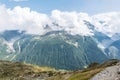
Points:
x=62 y=40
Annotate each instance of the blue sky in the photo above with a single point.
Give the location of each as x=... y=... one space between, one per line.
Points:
x=88 y=6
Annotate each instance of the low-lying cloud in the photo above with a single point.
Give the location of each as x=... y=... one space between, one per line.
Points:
x=33 y=22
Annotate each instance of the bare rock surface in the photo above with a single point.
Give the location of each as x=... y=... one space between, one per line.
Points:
x=110 y=73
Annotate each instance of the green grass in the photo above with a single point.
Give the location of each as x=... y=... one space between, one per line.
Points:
x=19 y=71
x=85 y=75
x=14 y=70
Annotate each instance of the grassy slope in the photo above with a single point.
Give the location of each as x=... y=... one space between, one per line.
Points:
x=11 y=70
x=22 y=71
x=87 y=73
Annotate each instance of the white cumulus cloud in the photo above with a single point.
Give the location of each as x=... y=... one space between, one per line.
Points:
x=22 y=19
x=71 y=21
x=108 y=23
x=34 y=22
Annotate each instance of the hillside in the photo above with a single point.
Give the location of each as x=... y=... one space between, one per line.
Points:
x=87 y=73
x=57 y=49
x=22 y=71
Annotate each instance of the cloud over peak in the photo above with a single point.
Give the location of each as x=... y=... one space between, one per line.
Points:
x=32 y=22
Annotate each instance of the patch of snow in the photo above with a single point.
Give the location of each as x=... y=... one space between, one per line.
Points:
x=113 y=51
x=101 y=46
x=37 y=38
x=10 y=46
x=19 y=48
x=73 y=43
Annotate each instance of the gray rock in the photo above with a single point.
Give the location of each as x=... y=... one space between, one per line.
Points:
x=110 y=73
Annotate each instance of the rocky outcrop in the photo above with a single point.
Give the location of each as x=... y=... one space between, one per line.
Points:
x=110 y=73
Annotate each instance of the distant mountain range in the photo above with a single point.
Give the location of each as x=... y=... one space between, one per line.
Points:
x=59 y=48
